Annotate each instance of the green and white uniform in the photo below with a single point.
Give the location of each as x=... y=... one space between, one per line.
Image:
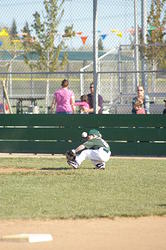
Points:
x=97 y=150
x=96 y=143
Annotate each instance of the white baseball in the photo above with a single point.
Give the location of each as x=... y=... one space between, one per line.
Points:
x=84 y=134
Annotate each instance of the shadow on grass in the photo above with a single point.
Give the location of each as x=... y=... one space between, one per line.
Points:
x=63 y=169
x=162 y=205
x=55 y=169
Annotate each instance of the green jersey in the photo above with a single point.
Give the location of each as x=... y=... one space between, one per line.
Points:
x=96 y=143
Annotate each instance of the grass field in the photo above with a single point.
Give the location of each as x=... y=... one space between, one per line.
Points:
x=51 y=189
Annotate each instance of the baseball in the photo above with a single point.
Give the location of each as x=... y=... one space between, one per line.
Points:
x=84 y=134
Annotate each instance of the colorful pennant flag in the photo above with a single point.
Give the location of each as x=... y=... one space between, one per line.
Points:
x=151 y=27
x=79 y=33
x=84 y=38
x=119 y=34
x=103 y=36
x=114 y=31
x=3 y=32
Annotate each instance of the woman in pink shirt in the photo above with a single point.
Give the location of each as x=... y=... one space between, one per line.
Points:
x=63 y=99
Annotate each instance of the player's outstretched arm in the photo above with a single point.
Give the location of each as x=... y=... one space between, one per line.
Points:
x=79 y=148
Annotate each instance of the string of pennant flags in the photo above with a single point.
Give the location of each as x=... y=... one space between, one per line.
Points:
x=80 y=34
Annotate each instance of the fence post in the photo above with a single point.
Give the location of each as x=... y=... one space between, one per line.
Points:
x=95 y=56
x=136 y=43
x=81 y=82
x=144 y=36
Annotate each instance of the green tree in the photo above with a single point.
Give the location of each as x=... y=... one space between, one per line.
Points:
x=26 y=35
x=14 y=38
x=155 y=51
x=45 y=28
x=13 y=30
x=26 y=29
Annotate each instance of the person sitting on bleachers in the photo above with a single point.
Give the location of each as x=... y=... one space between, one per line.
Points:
x=145 y=100
x=138 y=106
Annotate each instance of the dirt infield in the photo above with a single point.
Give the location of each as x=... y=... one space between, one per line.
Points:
x=146 y=233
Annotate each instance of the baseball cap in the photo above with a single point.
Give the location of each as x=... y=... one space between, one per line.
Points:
x=94 y=132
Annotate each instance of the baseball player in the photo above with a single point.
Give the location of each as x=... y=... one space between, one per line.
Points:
x=94 y=148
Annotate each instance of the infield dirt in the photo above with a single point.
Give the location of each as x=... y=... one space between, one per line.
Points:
x=145 y=233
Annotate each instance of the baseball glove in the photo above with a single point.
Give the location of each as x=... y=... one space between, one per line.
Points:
x=70 y=155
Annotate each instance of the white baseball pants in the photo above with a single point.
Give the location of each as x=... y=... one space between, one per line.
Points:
x=96 y=156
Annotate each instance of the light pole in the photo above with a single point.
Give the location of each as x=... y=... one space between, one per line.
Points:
x=144 y=40
x=136 y=43
x=95 y=56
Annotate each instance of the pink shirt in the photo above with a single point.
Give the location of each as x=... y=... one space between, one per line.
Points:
x=82 y=104
x=140 y=111
x=63 y=100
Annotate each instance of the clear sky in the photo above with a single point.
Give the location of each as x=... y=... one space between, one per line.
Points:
x=112 y=14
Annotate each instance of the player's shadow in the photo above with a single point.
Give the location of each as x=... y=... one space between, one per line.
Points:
x=60 y=169
x=55 y=169
x=162 y=205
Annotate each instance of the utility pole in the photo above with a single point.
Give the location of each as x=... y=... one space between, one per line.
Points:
x=144 y=41
x=136 y=43
x=95 y=57
x=48 y=82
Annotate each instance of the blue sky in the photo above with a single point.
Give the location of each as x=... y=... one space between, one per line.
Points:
x=112 y=14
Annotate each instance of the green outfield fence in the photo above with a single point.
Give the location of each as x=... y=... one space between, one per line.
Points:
x=54 y=134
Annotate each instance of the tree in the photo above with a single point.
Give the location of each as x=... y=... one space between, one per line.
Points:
x=26 y=35
x=13 y=30
x=14 y=38
x=155 y=51
x=26 y=29
x=45 y=28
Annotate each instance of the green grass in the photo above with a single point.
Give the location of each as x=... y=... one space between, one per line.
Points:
x=128 y=187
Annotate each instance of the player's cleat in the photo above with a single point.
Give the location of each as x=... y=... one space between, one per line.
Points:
x=74 y=164
x=100 y=166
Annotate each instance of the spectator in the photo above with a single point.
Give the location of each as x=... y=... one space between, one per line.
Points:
x=144 y=98
x=83 y=104
x=164 y=111
x=91 y=101
x=63 y=99
x=138 y=106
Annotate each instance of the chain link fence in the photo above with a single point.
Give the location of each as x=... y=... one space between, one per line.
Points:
x=117 y=69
